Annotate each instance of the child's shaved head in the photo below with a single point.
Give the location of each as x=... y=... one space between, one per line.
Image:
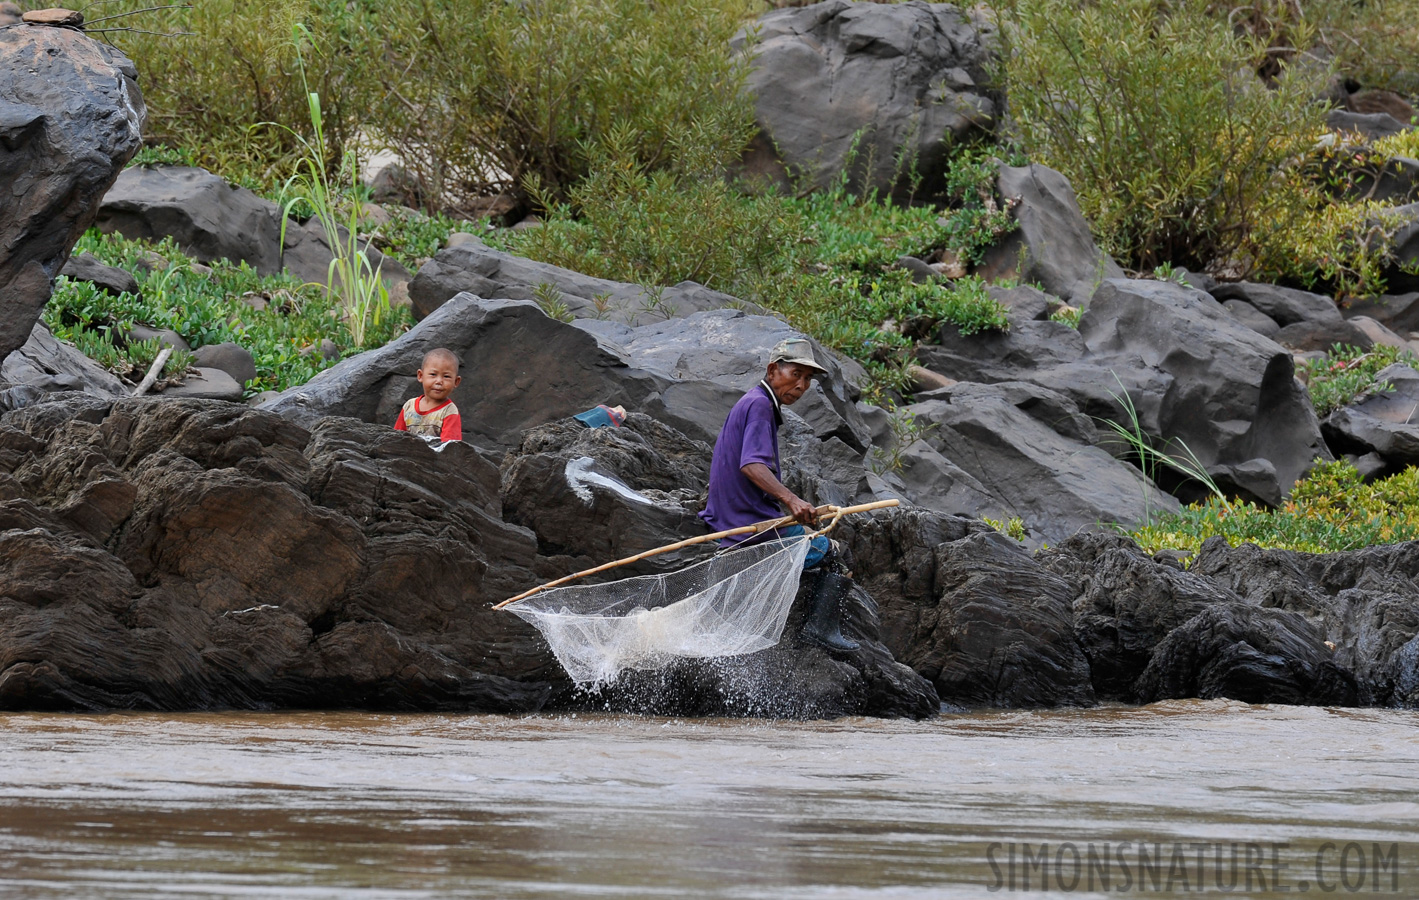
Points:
x=440 y=355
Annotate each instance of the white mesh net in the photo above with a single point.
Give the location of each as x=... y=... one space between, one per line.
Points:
x=734 y=603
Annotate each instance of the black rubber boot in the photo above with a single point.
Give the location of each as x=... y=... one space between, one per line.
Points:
x=823 y=626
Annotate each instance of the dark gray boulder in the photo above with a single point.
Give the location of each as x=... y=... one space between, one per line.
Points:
x=1398 y=312
x=1402 y=273
x=891 y=82
x=1384 y=422
x=1231 y=395
x=1286 y=306
x=305 y=253
x=1026 y=303
x=1252 y=317
x=71 y=116
x=1304 y=337
x=1053 y=481
x=231 y=358
x=1053 y=245
x=472 y=266
x=1371 y=126
x=1013 y=355
x=206 y=384
x=87 y=267
x=207 y=217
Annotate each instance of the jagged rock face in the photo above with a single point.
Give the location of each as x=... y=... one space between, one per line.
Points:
x=43 y=365
x=1385 y=423
x=199 y=554
x=191 y=554
x=911 y=78
x=71 y=116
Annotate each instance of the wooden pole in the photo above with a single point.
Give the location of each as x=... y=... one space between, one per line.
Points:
x=756 y=528
x=153 y=371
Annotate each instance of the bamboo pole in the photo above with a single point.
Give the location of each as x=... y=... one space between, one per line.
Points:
x=758 y=527
x=152 y=376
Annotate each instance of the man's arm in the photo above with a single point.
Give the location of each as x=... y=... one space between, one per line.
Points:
x=763 y=477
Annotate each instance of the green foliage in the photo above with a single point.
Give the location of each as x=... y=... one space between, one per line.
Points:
x=907 y=429
x=1172 y=143
x=413 y=237
x=1406 y=143
x=1330 y=509
x=1014 y=528
x=549 y=297
x=284 y=337
x=473 y=94
x=1347 y=374
x=1067 y=315
x=979 y=217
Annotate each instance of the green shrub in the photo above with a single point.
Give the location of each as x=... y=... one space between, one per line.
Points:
x=979 y=217
x=1330 y=509
x=284 y=337
x=1347 y=374
x=1171 y=142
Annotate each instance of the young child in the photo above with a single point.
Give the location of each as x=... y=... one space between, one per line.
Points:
x=433 y=416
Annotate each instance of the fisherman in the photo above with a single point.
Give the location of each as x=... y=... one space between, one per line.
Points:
x=745 y=484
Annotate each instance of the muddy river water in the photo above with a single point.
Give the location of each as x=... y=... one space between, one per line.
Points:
x=1185 y=798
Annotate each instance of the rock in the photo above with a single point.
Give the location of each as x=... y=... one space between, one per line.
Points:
x=933 y=481
x=1231 y=394
x=997 y=633
x=396 y=184
x=328 y=350
x=1003 y=356
x=164 y=336
x=1320 y=336
x=87 y=267
x=1379 y=335
x=1370 y=466
x=306 y=254
x=520 y=369
x=54 y=17
x=1252 y=317
x=1402 y=271
x=1399 y=312
x=1056 y=484
x=71 y=116
x=1380 y=102
x=231 y=358
x=1053 y=245
x=209 y=555
x=470 y=265
x=1026 y=303
x=1385 y=422
x=1370 y=126
x=207 y=384
x=10 y=14
x=207 y=217
x=910 y=80
x=1286 y=306
x=709 y=359
x=43 y=366
x=1244 y=653
x=920 y=272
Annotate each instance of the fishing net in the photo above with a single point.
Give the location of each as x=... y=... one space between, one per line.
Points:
x=733 y=603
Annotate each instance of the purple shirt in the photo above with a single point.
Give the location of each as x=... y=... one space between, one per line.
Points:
x=750 y=435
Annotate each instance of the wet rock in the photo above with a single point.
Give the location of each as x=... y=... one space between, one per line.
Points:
x=470 y=265
x=886 y=82
x=998 y=634
x=71 y=116
x=1053 y=245
x=87 y=267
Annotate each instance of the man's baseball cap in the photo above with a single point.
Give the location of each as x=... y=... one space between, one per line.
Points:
x=798 y=351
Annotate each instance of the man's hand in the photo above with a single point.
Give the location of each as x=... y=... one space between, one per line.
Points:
x=801 y=510
x=763 y=476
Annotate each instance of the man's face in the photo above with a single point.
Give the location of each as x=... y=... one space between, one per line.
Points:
x=789 y=381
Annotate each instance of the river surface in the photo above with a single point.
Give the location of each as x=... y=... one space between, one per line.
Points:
x=357 y=805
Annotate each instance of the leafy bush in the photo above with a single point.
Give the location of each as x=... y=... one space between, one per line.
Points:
x=1330 y=509
x=979 y=217
x=1154 y=114
x=284 y=337
x=1347 y=374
